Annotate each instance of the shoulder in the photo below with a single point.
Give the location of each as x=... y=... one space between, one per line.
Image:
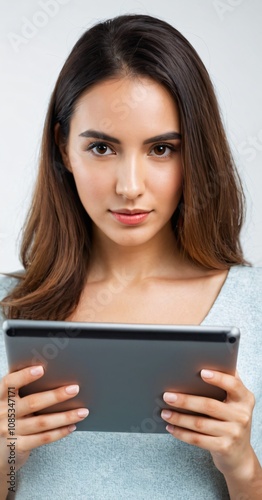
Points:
x=239 y=301
x=246 y=281
x=7 y=283
x=247 y=274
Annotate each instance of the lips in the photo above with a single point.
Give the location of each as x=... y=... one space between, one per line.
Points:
x=130 y=217
x=130 y=212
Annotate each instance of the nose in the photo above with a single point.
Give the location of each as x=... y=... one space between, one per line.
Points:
x=130 y=181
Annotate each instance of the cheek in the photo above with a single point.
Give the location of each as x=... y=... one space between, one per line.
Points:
x=170 y=185
x=90 y=181
x=91 y=186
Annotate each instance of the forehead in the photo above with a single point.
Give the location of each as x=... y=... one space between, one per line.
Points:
x=118 y=105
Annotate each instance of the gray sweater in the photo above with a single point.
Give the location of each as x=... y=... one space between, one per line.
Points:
x=115 y=466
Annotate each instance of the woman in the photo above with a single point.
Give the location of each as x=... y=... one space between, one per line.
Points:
x=136 y=179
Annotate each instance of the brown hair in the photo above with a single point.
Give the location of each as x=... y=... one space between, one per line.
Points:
x=57 y=235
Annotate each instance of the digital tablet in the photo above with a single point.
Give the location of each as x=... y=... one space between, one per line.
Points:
x=122 y=369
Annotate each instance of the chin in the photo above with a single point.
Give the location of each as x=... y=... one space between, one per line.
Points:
x=128 y=240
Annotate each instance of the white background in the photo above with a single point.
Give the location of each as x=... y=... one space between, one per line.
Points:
x=36 y=37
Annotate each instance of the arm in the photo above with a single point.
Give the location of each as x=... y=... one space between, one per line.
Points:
x=225 y=433
x=246 y=483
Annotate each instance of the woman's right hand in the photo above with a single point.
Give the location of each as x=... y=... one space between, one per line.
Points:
x=32 y=431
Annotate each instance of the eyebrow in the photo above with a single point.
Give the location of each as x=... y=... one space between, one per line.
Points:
x=157 y=138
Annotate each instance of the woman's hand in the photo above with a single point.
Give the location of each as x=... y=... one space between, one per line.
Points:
x=224 y=431
x=32 y=431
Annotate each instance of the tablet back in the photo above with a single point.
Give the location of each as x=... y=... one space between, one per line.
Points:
x=122 y=370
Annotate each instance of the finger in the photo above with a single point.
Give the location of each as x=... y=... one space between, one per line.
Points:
x=196 y=423
x=201 y=405
x=212 y=444
x=41 y=423
x=27 y=443
x=233 y=385
x=41 y=400
x=18 y=379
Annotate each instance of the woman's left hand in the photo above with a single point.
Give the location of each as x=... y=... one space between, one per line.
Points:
x=225 y=432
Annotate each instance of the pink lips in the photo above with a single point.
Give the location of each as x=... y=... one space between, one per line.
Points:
x=130 y=217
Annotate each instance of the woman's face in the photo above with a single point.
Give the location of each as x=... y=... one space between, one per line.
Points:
x=124 y=153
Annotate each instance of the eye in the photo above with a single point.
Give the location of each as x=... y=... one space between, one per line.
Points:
x=162 y=150
x=100 y=149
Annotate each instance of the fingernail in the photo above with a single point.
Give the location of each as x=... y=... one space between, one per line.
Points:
x=170 y=397
x=169 y=428
x=72 y=428
x=166 y=414
x=83 y=412
x=207 y=374
x=37 y=370
x=72 y=389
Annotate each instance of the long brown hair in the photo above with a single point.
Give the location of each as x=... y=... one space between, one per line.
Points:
x=57 y=235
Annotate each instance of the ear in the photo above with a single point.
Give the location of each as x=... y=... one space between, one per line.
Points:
x=62 y=147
